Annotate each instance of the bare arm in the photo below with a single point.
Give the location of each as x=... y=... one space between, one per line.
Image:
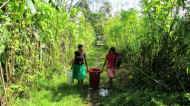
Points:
x=86 y=62
x=105 y=62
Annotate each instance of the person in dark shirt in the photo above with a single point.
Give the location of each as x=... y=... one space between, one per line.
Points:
x=79 y=65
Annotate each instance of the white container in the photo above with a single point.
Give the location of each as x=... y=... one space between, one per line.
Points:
x=69 y=77
x=103 y=92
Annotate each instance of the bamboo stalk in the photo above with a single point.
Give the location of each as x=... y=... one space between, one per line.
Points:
x=3 y=83
x=6 y=70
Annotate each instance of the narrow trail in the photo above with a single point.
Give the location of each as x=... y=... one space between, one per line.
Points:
x=96 y=59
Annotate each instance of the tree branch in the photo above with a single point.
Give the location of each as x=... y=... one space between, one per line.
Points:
x=4 y=4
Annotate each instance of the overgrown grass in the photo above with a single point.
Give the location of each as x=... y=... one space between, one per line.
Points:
x=146 y=97
x=54 y=92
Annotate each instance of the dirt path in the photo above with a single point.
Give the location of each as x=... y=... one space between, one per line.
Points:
x=95 y=59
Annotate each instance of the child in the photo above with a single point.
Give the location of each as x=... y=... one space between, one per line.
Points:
x=110 y=61
x=79 y=65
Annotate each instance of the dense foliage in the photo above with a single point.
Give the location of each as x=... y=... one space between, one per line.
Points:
x=159 y=39
x=37 y=41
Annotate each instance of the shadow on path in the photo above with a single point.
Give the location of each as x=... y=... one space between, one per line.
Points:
x=88 y=96
x=64 y=90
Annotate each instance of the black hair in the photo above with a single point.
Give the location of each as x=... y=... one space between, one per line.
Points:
x=80 y=46
x=112 y=49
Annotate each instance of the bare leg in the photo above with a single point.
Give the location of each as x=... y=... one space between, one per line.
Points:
x=80 y=83
x=110 y=83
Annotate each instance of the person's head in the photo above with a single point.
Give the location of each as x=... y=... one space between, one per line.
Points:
x=80 y=47
x=112 y=50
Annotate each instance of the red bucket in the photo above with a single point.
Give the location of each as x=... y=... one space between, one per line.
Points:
x=94 y=77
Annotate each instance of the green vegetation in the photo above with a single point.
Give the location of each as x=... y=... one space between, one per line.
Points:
x=38 y=38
